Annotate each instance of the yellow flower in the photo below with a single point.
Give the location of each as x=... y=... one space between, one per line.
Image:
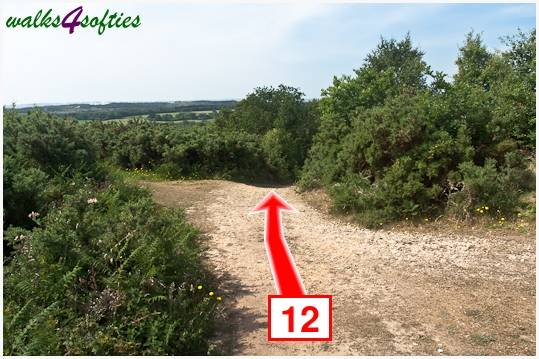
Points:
x=503 y=218
x=199 y=287
x=426 y=219
x=219 y=298
x=481 y=211
x=211 y=294
x=486 y=208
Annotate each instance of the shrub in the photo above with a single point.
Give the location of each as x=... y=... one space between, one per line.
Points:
x=498 y=189
x=39 y=149
x=283 y=123
x=92 y=266
x=23 y=192
x=56 y=146
x=203 y=152
x=277 y=148
x=396 y=140
x=106 y=273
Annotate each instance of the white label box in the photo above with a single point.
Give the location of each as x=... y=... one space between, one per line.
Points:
x=300 y=318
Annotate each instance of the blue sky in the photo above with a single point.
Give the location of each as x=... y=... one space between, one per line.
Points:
x=188 y=51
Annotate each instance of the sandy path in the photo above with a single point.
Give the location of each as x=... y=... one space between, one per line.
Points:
x=394 y=293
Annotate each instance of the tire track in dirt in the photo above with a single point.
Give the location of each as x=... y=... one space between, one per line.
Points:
x=394 y=292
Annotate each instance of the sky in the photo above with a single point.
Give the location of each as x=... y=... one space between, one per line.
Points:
x=215 y=51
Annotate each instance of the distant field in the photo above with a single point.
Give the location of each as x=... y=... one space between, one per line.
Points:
x=128 y=118
x=189 y=110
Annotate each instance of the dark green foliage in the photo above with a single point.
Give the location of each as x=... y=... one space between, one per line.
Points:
x=515 y=92
x=392 y=69
x=60 y=147
x=23 y=190
x=37 y=149
x=396 y=140
x=505 y=84
x=264 y=138
x=118 y=276
x=183 y=151
x=498 y=187
x=396 y=159
x=202 y=152
x=472 y=61
x=182 y=116
x=284 y=121
x=91 y=265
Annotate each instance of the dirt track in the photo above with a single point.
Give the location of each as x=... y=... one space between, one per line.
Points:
x=394 y=292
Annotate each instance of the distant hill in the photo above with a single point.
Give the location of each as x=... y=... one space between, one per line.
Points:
x=114 y=110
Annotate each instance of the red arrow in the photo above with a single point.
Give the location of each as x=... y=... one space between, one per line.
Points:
x=285 y=275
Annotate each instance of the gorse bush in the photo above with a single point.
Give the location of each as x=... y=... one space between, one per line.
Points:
x=396 y=159
x=91 y=265
x=60 y=148
x=283 y=123
x=203 y=153
x=182 y=151
x=39 y=149
x=497 y=187
x=397 y=140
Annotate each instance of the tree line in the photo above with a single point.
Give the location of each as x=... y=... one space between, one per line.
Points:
x=117 y=110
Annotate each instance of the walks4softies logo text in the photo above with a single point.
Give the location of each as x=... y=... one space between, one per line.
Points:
x=73 y=19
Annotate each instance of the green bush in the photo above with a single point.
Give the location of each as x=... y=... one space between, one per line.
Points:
x=106 y=272
x=183 y=151
x=282 y=121
x=265 y=137
x=92 y=266
x=40 y=149
x=498 y=189
x=277 y=148
x=54 y=145
x=397 y=141
x=396 y=159
x=203 y=152
x=23 y=192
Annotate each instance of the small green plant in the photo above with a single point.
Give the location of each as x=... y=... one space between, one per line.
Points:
x=482 y=339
